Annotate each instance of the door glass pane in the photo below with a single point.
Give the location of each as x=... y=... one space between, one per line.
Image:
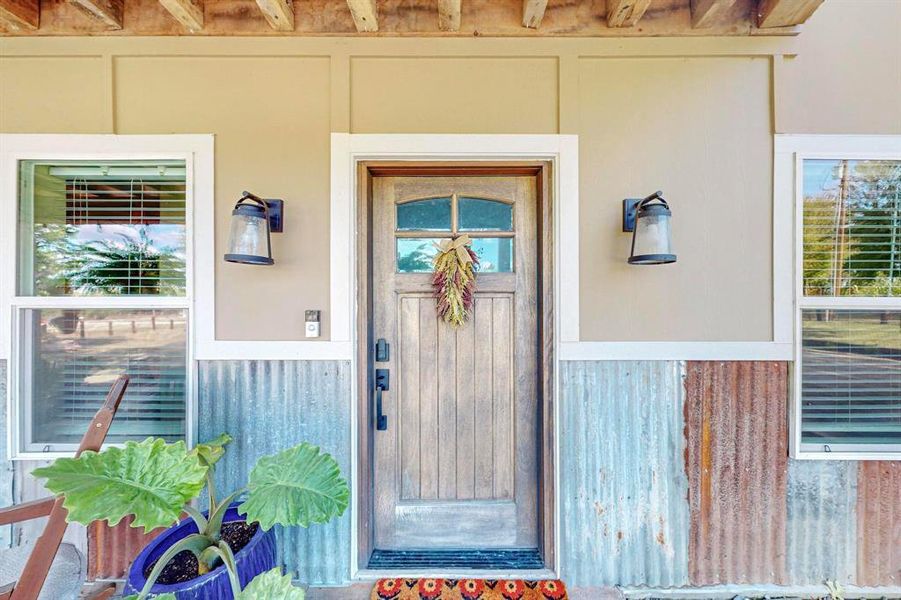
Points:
x=72 y=357
x=101 y=228
x=485 y=215
x=432 y=214
x=415 y=255
x=852 y=227
x=850 y=377
x=495 y=254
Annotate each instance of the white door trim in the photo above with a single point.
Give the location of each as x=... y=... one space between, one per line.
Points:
x=347 y=150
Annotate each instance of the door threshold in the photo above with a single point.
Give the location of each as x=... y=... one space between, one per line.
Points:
x=448 y=573
x=463 y=559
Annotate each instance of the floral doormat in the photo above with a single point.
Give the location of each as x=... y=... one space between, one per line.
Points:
x=468 y=589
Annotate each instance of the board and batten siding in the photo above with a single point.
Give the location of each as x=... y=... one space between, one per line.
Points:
x=664 y=116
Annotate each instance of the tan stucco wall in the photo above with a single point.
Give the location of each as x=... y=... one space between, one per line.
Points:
x=693 y=117
x=846 y=77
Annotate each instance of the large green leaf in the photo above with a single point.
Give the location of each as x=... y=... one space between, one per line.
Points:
x=151 y=480
x=297 y=486
x=210 y=452
x=271 y=585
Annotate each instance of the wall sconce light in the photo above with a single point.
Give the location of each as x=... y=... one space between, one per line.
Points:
x=253 y=219
x=649 y=221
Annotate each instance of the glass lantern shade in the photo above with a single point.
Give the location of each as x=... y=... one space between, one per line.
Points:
x=248 y=240
x=652 y=240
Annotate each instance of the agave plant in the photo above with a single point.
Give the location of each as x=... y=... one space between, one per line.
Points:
x=155 y=482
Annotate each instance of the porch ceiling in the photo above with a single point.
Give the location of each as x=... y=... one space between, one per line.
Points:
x=461 y=18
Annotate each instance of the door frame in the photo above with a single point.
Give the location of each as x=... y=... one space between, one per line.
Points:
x=355 y=159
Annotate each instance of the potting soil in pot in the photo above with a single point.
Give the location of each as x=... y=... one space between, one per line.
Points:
x=183 y=566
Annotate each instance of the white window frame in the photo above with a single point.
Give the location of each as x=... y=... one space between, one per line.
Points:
x=790 y=153
x=197 y=152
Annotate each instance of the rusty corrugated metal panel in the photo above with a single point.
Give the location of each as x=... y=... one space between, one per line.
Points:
x=111 y=549
x=624 y=514
x=737 y=464
x=879 y=523
x=268 y=406
x=822 y=527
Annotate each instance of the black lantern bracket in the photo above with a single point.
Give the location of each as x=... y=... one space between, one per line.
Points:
x=275 y=210
x=630 y=210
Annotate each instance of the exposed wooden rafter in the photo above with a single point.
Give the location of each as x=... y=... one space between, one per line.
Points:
x=365 y=14
x=187 y=12
x=533 y=12
x=785 y=13
x=449 y=15
x=483 y=18
x=625 y=13
x=20 y=14
x=705 y=12
x=279 y=14
x=108 y=12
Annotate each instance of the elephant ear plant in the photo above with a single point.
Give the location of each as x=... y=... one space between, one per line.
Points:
x=155 y=482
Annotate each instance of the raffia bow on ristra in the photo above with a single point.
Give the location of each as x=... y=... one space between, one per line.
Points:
x=455 y=279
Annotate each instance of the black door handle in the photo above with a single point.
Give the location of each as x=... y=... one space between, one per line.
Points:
x=382 y=383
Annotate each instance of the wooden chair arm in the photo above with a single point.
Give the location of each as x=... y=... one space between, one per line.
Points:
x=6 y=591
x=26 y=511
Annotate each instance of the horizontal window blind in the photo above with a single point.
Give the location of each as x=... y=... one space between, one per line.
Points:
x=128 y=201
x=851 y=377
x=852 y=228
x=78 y=352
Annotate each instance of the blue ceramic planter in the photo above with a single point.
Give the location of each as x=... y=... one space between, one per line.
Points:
x=258 y=556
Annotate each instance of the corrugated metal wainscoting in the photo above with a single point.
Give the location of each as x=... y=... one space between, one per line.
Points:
x=671 y=474
x=268 y=406
x=624 y=515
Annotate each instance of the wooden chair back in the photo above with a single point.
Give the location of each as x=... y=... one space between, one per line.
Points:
x=38 y=565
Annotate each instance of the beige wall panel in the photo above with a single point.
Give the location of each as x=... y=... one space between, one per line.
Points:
x=847 y=75
x=698 y=129
x=454 y=95
x=52 y=95
x=271 y=120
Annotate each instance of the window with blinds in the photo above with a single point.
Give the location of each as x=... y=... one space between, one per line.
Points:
x=90 y=234
x=850 y=306
x=112 y=229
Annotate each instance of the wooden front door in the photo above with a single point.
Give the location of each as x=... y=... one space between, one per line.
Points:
x=457 y=463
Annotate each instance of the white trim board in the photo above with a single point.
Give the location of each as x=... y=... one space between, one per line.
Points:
x=588 y=351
